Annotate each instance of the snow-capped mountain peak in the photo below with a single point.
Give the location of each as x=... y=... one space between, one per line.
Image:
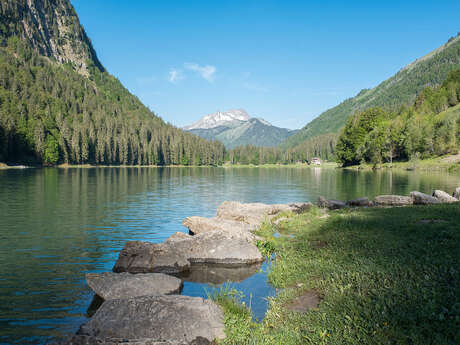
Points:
x=220 y=119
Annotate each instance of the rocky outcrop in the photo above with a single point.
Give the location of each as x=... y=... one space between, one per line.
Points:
x=423 y=199
x=360 y=202
x=393 y=200
x=175 y=256
x=444 y=197
x=110 y=285
x=331 y=204
x=456 y=193
x=52 y=29
x=150 y=320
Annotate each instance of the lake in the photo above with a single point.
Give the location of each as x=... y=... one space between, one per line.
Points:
x=58 y=224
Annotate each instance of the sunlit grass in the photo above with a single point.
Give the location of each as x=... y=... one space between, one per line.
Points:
x=386 y=276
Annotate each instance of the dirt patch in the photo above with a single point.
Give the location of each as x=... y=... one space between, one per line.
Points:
x=451 y=159
x=318 y=244
x=306 y=302
x=432 y=221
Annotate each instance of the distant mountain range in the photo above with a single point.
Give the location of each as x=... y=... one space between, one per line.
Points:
x=399 y=90
x=236 y=128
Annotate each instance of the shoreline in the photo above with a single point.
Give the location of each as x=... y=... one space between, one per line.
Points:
x=352 y=276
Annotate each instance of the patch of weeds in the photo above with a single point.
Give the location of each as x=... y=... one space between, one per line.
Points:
x=239 y=326
x=267 y=248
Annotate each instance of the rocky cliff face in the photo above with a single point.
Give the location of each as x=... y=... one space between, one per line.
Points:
x=52 y=29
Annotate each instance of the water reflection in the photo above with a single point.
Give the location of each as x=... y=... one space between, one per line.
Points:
x=58 y=224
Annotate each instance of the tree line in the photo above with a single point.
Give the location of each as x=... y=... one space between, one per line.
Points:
x=428 y=128
x=50 y=114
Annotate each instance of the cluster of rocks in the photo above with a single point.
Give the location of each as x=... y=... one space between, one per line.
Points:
x=140 y=303
x=415 y=198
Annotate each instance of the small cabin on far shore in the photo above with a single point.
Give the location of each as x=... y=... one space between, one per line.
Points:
x=315 y=161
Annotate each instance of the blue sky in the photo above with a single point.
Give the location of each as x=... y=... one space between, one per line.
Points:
x=285 y=61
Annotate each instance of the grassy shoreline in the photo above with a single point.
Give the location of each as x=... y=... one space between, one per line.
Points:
x=384 y=276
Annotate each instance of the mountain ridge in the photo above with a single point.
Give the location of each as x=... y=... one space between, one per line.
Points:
x=237 y=128
x=399 y=90
x=59 y=104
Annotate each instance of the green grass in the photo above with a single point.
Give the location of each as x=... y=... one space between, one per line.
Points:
x=384 y=276
x=432 y=164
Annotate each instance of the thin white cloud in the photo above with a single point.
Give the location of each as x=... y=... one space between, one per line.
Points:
x=206 y=72
x=175 y=75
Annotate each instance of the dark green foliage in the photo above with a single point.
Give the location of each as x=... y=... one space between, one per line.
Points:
x=322 y=146
x=93 y=120
x=399 y=90
x=429 y=128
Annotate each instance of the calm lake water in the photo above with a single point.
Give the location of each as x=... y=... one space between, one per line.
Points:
x=58 y=224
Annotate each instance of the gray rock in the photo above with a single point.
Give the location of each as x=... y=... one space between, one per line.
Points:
x=456 y=193
x=145 y=257
x=393 y=200
x=253 y=214
x=174 y=256
x=110 y=285
x=216 y=247
x=423 y=199
x=199 y=225
x=219 y=274
x=331 y=204
x=155 y=320
x=360 y=202
x=444 y=197
x=86 y=340
x=301 y=207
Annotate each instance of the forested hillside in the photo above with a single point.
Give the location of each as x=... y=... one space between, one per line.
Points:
x=399 y=90
x=431 y=127
x=58 y=104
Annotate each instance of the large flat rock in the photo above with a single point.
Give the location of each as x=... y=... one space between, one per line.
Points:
x=219 y=274
x=145 y=257
x=216 y=247
x=155 y=320
x=253 y=214
x=175 y=254
x=110 y=285
x=199 y=225
x=393 y=200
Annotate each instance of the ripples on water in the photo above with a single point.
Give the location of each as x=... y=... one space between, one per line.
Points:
x=58 y=224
